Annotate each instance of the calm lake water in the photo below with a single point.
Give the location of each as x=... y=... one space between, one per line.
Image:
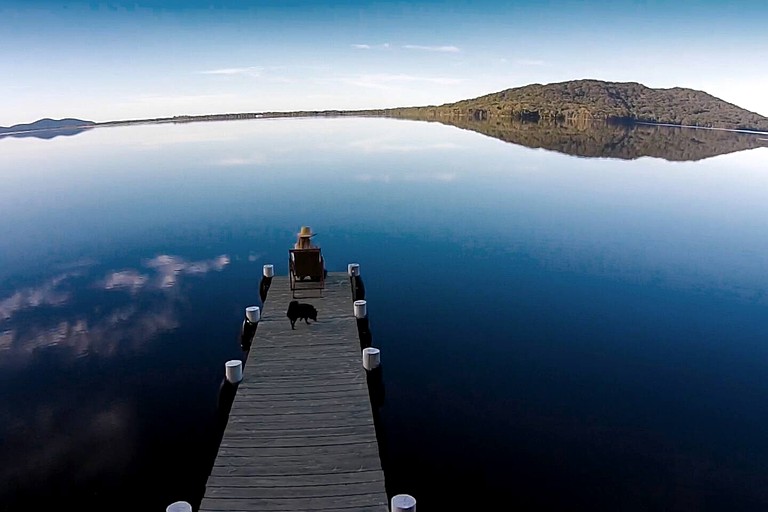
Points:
x=558 y=332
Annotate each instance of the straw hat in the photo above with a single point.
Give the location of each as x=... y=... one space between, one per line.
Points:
x=306 y=232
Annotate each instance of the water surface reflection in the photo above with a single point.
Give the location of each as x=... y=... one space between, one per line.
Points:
x=568 y=333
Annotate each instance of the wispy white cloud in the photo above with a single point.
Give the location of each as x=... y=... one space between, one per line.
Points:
x=383 y=46
x=388 y=80
x=444 y=49
x=254 y=71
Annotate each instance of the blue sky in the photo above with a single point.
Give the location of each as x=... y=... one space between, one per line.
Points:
x=121 y=60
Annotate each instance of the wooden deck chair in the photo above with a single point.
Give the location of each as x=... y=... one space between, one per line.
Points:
x=306 y=270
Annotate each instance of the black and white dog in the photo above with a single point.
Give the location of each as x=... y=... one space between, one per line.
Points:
x=298 y=311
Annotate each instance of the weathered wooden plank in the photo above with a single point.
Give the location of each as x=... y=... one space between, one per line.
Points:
x=286 y=423
x=305 y=432
x=311 y=452
x=262 y=403
x=239 y=504
x=338 y=490
x=235 y=506
x=296 y=441
x=238 y=466
x=298 y=378
x=300 y=434
x=301 y=393
x=298 y=480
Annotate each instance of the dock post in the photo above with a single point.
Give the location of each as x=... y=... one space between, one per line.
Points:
x=248 y=329
x=363 y=326
x=179 y=506
x=371 y=358
x=268 y=272
x=356 y=282
x=253 y=314
x=361 y=309
x=403 y=503
x=233 y=370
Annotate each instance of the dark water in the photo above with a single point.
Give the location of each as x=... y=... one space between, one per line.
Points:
x=558 y=332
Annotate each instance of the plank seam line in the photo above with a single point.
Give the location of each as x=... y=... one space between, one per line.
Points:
x=345 y=495
x=302 y=486
x=245 y=446
x=320 y=390
x=291 y=475
x=265 y=430
x=368 y=454
x=376 y=506
x=343 y=412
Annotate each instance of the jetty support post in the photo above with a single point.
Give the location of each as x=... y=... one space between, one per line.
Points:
x=371 y=358
x=356 y=281
x=179 y=506
x=233 y=371
x=268 y=272
x=403 y=503
x=363 y=323
x=250 y=324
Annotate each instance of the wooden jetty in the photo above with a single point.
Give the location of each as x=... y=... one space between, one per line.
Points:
x=300 y=434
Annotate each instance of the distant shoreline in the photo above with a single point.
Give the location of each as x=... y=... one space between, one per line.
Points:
x=380 y=113
x=385 y=113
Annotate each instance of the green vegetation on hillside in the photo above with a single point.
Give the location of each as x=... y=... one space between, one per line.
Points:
x=581 y=100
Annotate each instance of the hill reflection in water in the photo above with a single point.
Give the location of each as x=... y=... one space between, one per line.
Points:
x=47 y=134
x=608 y=140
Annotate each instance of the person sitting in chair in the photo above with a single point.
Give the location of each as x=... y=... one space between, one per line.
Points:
x=304 y=241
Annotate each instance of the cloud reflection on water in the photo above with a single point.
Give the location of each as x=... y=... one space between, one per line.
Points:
x=125 y=279
x=169 y=267
x=122 y=327
x=31 y=297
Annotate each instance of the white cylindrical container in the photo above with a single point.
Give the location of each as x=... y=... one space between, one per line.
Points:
x=234 y=371
x=253 y=314
x=179 y=506
x=403 y=503
x=371 y=358
x=269 y=270
x=361 y=309
x=353 y=269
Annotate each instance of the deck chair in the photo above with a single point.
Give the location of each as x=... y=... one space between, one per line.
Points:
x=306 y=270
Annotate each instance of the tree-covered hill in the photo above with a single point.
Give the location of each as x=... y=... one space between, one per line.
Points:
x=580 y=100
